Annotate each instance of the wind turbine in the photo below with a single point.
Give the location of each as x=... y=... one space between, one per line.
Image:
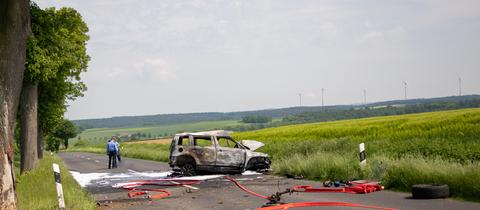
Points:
x=459 y=86
x=323 y=90
x=300 y=98
x=405 y=86
x=365 y=97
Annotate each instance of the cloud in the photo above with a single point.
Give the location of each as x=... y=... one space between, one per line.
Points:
x=388 y=35
x=154 y=69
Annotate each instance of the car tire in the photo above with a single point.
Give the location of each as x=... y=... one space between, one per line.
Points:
x=188 y=169
x=430 y=191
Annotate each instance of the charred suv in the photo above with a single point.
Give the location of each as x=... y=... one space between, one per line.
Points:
x=215 y=151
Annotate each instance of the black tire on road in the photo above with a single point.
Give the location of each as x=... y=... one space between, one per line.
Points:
x=188 y=169
x=428 y=191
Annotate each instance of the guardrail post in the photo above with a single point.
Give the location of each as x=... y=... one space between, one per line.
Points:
x=363 y=158
x=58 y=183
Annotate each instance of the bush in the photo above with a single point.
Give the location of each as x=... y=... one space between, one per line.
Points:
x=256 y=119
x=52 y=143
x=81 y=142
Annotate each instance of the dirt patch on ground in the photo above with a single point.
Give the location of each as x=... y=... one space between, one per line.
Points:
x=153 y=141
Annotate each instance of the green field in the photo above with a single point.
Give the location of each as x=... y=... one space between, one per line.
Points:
x=435 y=147
x=100 y=135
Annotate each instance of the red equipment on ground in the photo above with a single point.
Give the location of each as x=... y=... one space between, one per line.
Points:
x=274 y=201
x=309 y=204
x=355 y=188
x=135 y=189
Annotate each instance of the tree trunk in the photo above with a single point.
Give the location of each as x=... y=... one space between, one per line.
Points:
x=65 y=142
x=28 y=127
x=14 y=30
x=40 y=141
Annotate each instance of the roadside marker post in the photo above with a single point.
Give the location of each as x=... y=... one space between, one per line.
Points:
x=58 y=183
x=363 y=158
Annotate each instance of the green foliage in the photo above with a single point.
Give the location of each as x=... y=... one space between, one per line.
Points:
x=56 y=56
x=256 y=119
x=36 y=189
x=65 y=130
x=81 y=142
x=52 y=143
x=398 y=174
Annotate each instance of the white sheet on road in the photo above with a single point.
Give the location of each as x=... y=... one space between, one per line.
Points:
x=108 y=179
x=85 y=179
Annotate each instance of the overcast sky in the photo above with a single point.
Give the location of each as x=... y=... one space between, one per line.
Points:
x=156 y=56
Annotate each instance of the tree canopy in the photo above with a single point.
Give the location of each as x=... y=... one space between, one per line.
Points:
x=65 y=131
x=56 y=56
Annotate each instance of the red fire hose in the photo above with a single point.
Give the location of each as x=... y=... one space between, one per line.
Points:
x=144 y=191
x=309 y=204
x=356 y=188
x=245 y=189
x=134 y=190
x=274 y=200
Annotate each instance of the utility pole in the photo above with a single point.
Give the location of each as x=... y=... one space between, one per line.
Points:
x=300 y=98
x=322 y=99
x=405 y=85
x=459 y=86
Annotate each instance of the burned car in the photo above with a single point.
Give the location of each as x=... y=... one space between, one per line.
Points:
x=215 y=151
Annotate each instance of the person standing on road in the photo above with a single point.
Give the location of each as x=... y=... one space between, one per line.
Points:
x=118 y=149
x=112 y=153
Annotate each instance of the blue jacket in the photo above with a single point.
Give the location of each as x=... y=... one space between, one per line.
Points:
x=111 y=146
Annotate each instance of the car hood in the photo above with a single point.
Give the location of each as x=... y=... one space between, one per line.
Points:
x=252 y=144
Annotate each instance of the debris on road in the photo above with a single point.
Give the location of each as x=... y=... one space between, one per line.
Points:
x=137 y=188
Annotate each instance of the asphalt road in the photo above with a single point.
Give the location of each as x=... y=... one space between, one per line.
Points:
x=91 y=170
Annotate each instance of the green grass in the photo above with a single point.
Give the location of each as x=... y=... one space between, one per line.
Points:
x=436 y=147
x=100 y=135
x=157 y=152
x=36 y=189
x=450 y=135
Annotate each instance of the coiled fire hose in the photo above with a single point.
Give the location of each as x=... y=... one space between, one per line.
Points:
x=355 y=188
x=135 y=189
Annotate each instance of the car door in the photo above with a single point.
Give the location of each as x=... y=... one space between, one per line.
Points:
x=203 y=150
x=229 y=153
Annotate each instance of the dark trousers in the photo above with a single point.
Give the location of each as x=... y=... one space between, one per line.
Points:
x=118 y=156
x=112 y=159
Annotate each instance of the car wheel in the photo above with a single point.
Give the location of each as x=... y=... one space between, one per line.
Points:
x=188 y=170
x=428 y=191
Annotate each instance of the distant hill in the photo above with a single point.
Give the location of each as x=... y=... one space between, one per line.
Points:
x=164 y=119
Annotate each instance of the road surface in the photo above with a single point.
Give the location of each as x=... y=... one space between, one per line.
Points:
x=91 y=171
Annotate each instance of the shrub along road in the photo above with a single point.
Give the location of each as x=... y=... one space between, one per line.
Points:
x=91 y=171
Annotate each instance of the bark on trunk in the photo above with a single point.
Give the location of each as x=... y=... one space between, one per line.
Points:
x=14 y=29
x=40 y=141
x=28 y=127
